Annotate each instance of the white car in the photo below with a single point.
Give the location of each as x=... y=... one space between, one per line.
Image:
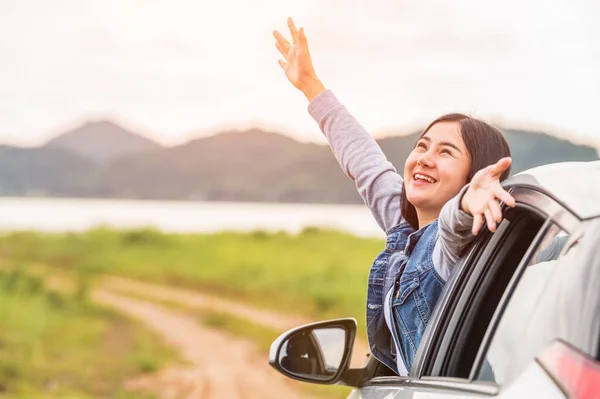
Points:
x=519 y=319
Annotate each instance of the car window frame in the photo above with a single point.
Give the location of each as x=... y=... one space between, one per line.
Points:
x=471 y=300
x=528 y=199
x=587 y=321
x=446 y=308
x=565 y=221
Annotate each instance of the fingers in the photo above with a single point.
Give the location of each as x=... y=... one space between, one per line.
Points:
x=477 y=223
x=492 y=214
x=495 y=211
x=505 y=197
x=282 y=50
x=282 y=44
x=501 y=166
x=293 y=31
x=302 y=39
x=489 y=220
x=282 y=64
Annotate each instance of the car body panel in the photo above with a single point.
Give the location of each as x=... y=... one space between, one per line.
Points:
x=572 y=183
x=534 y=382
x=401 y=392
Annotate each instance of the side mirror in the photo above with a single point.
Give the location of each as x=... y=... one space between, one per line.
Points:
x=318 y=352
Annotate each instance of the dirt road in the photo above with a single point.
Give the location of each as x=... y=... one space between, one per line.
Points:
x=220 y=365
x=195 y=300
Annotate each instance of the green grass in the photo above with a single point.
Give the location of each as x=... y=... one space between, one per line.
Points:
x=59 y=345
x=318 y=273
x=49 y=341
x=262 y=336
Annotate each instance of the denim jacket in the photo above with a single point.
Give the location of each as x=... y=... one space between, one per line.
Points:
x=406 y=265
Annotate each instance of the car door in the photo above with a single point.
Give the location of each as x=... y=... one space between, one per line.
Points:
x=485 y=278
x=472 y=300
x=550 y=312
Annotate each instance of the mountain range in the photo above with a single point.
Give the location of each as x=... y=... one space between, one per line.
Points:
x=101 y=159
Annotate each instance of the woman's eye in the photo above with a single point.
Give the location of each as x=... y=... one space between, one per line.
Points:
x=421 y=145
x=446 y=151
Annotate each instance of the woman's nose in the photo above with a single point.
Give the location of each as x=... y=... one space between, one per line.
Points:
x=425 y=160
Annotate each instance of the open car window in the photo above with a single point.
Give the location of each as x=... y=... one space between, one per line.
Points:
x=552 y=300
x=532 y=234
x=497 y=355
x=464 y=342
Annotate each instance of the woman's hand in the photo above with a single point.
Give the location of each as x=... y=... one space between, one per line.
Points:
x=483 y=196
x=297 y=64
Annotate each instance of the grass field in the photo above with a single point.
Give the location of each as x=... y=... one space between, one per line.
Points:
x=58 y=345
x=317 y=273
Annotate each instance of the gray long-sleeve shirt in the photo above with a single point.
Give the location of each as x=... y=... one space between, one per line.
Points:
x=378 y=183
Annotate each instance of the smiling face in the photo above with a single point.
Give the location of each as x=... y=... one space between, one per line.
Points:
x=436 y=170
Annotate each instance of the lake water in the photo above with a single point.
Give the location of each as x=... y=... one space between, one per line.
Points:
x=59 y=215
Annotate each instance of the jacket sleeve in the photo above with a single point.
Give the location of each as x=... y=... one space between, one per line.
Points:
x=454 y=234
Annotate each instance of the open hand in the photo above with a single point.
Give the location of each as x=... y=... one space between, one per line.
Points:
x=484 y=195
x=297 y=64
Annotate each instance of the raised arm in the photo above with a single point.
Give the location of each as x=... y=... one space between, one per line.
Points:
x=361 y=159
x=356 y=151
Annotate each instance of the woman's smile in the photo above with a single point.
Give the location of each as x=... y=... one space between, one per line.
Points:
x=422 y=178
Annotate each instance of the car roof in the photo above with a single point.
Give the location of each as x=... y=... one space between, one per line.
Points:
x=575 y=184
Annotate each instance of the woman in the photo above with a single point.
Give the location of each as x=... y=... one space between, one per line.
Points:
x=429 y=216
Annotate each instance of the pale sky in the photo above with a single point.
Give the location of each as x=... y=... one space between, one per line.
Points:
x=179 y=69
